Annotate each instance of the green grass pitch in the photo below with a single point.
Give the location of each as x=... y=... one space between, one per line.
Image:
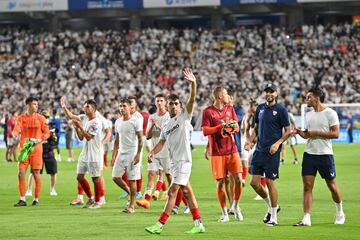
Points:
x=54 y=218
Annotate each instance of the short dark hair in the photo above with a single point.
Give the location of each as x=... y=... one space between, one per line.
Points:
x=125 y=100
x=132 y=97
x=172 y=97
x=318 y=92
x=31 y=99
x=160 y=95
x=106 y=114
x=91 y=102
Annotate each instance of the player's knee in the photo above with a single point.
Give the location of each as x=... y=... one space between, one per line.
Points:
x=307 y=187
x=220 y=183
x=79 y=178
x=171 y=193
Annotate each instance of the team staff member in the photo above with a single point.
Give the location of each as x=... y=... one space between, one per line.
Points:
x=270 y=120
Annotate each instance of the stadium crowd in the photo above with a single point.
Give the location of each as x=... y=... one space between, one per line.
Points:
x=110 y=64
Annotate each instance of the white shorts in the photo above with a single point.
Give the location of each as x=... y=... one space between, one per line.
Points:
x=180 y=172
x=244 y=155
x=291 y=140
x=160 y=164
x=12 y=141
x=93 y=168
x=125 y=163
x=109 y=146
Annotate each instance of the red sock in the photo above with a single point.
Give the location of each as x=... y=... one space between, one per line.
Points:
x=97 y=188
x=179 y=197
x=163 y=218
x=195 y=212
x=184 y=200
x=163 y=187
x=105 y=160
x=147 y=197
x=80 y=189
x=159 y=185
x=102 y=192
x=139 y=184
x=85 y=185
x=244 y=173
x=124 y=177
x=263 y=181
x=220 y=192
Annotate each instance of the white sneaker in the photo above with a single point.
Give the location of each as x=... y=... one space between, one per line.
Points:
x=303 y=223
x=96 y=205
x=258 y=197
x=53 y=193
x=238 y=216
x=28 y=193
x=224 y=218
x=271 y=223
x=58 y=158
x=187 y=210
x=340 y=218
x=69 y=159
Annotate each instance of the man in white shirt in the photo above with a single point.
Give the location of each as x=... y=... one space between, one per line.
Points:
x=127 y=150
x=160 y=163
x=90 y=158
x=321 y=125
x=176 y=134
x=105 y=136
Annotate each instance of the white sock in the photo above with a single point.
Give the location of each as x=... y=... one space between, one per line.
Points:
x=160 y=224
x=81 y=197
x=102 y=199
x=36 y=199
x=268 y=202
x=235 y=205
x=224 y=211
x=197 y=222
x=273 y=213
x=23 y=199
x=148 y=191
x=339 y=207
x=307 y=217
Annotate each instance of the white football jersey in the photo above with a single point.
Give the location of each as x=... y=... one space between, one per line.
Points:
x=177 y=134
x=92 y=150
x=320 y=121
x=161 y=122
x=127 y=130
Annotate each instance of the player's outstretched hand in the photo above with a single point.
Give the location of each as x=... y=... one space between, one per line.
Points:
x=188 y=75
x=62 y=102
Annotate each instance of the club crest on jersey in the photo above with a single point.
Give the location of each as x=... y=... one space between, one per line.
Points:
x=274 y=113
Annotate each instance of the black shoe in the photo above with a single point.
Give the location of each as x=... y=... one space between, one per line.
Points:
x=20 y=203
x=35 y=203
x=268 y=215
x=282 y=161
x=271 y=224
x=230 y=212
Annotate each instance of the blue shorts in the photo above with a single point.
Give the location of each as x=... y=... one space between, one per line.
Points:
x=324 y=164
x=265 y=163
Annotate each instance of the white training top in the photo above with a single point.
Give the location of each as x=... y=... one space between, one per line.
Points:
x=127 y=130
x=177 y=134
x=161 y=122
x=93 y=149
x=320 y=121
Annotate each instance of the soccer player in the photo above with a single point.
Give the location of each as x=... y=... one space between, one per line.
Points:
x=127 y=150
x=108 y=146
x=176 y=135
x=291 y=141
x=143 y=117
x=91 y=158
x=224 y=154
x=31 y=125
x=270 y=120
x=50 y=163
x=161 y=160
x=321 y=125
